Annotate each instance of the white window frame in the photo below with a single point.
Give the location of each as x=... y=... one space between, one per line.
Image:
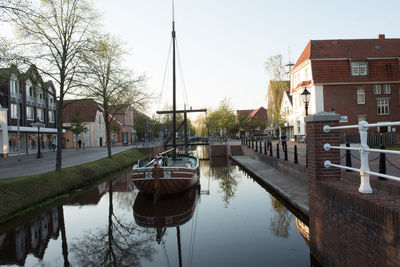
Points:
x=362 y=118
x=51 y=116
x=14 y=111
x=14 y=87
x=386 y=89
x=377 y=89
x=30 y=116
x=360 y=96
x=359 y=68
x=382 y=105
x=40 y=114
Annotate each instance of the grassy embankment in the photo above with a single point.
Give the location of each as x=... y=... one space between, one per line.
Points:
x=20 y=195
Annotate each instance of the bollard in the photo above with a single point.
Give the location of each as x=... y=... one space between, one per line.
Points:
x=256 y=146
x=348 y=157
x=277 y=150
x=296 y=159
x=265 y=148
x=270 y=149
x=286 y=155
x=252 y=144
x=382 y=163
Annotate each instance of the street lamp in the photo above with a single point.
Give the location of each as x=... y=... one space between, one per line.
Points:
x=38 y=124
x=306 y=95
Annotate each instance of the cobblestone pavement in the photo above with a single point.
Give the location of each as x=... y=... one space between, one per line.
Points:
x=10 y=167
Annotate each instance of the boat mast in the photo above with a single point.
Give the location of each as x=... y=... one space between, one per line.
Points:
x=173 y=86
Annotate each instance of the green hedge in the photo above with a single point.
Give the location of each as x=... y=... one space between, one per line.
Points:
x=17 y=194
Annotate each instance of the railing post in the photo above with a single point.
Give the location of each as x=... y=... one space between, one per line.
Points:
x=382 y=162
x=296 y=159
x=316 y=154
x=252 y=143
x=285 y=149
x=256 y=146
x=348 y=157
x=265 y=148
x=277 y=150
x=365 y=187
x=270 y=149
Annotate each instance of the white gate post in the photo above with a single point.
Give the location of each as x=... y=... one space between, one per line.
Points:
x=365 y=187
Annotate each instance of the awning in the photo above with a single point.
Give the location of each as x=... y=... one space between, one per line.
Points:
x=32 y=129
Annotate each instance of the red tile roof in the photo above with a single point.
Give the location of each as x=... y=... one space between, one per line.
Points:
x=356 y=49
x=86 y=108
x=243 y=112
x=261 y=112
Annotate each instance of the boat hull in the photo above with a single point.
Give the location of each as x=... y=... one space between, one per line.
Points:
x=164 y=180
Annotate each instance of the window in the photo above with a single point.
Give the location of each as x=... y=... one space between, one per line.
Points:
x=383 y=106
x=51 y=116
x=377 y=89
x=99 y=118
x=386 y=89
x=360 y=96
x=14 y=87
x=14 y=111
x=298 y=126
x=30 y=115
x=359 y=68
x=362 y=118
x=40 y=113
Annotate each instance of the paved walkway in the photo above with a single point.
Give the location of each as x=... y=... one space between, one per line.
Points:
x=29 y=165
x=293 y=189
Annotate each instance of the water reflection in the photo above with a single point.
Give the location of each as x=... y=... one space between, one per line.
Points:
x=281 y=219
x=32 y=237
x=97 y=228
x=122 y=243
x=169 y=212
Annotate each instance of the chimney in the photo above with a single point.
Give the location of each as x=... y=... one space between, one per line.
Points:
x=381 y=36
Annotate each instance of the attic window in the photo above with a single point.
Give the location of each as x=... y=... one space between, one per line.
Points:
x=359 y=68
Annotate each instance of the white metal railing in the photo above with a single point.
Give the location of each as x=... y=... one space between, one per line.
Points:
x=364 y=150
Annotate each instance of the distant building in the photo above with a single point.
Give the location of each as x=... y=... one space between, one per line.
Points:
x=254 y=121
x=275 y=94
x=287 y=114
x=92 y=116
x=25 y=99
x=358 y=79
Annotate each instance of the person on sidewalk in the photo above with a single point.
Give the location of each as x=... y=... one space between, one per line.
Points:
x=53 y=143
x=79 y=143
x=284 y=145
x=269 y=140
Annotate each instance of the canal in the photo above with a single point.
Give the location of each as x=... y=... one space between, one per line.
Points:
x=229 y=221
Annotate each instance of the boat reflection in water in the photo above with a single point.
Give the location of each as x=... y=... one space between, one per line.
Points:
x=168 y=212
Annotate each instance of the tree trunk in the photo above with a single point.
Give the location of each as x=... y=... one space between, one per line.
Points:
x=108 y=135
x=60 y=104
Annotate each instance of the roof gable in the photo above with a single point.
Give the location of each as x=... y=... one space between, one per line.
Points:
x=87 y=109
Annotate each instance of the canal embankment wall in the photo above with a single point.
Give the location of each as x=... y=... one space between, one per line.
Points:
x=347 y=227
x=284 y=181
x=23 y=194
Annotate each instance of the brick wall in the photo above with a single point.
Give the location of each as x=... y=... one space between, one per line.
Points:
x=347 y=228
x=343 y=99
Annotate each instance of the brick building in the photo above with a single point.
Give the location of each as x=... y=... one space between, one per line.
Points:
x=359 y=79
x=254 y=119
x=25 y=99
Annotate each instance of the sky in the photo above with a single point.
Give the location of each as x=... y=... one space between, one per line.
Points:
x=223 y=44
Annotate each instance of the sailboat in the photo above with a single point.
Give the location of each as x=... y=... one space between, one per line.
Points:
x=166 y=175
x=168 y=213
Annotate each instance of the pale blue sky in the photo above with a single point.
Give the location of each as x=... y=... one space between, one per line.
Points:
x=224 y=43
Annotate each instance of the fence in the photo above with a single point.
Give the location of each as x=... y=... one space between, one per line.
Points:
x=364 y=152
x=374 y=139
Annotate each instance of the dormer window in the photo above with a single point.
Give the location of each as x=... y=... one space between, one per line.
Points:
x=359 y=68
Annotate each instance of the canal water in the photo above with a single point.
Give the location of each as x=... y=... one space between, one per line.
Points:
x=230 y=220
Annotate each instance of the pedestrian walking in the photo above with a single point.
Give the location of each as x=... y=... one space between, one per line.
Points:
x=283 y=140
x=53 y=143
x=79 y=143
x=269 y=140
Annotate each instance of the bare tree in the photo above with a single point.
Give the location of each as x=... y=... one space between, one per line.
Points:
x=53 y=35
x=111 y=85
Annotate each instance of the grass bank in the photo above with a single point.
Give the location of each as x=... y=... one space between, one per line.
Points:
x=25 y=193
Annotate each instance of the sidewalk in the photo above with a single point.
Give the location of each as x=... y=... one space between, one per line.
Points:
x=10 y=167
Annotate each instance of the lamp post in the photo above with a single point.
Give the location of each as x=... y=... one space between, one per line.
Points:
x=306 y=95
x=38 y=124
